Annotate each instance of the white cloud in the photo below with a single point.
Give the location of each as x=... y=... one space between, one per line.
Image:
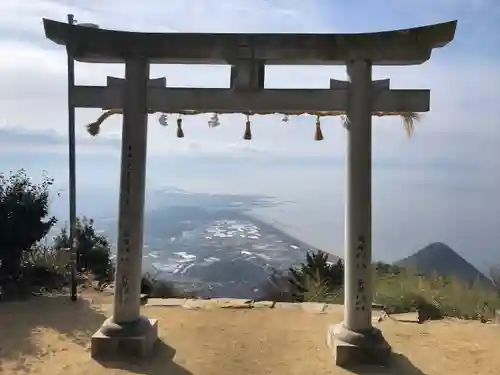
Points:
x=462 y=124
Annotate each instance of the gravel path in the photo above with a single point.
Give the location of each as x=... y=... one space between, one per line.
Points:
x=50 y=336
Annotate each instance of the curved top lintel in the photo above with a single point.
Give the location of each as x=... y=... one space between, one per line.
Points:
x=398 y=47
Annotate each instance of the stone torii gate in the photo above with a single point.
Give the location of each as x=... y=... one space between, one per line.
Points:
x=355 y=339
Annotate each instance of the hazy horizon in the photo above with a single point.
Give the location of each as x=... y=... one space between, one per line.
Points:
x=309 y=202
x=441 y=185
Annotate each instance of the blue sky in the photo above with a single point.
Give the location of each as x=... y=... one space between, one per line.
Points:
x=443 y=183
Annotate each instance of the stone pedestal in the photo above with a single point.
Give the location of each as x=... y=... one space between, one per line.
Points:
x=134 y=339
x=357 y=348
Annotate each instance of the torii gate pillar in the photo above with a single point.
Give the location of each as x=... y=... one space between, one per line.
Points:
x=355 y=340
x=127 y=332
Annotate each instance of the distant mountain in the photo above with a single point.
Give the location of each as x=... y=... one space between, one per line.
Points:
x=442 y=259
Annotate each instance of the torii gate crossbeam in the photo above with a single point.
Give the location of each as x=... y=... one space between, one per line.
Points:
x=220 y=100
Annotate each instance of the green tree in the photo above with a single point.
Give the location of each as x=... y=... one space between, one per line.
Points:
x=387 y=269
x=93 y=249
x=24 y=219
x=317 y=279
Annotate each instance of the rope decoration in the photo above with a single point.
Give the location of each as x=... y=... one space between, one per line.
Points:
x=95 y=127
x=248 y=131
x=180 y=132
x=319 y=134
x=214 y=121
x=409 y=119
x=163 y=120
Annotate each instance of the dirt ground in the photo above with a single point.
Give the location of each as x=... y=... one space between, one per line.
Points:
x=51 y=336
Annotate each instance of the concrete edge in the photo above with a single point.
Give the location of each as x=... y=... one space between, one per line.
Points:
x=378 y=314
x=234 y=303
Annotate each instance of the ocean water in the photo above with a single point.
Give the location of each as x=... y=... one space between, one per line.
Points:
x=412 y=206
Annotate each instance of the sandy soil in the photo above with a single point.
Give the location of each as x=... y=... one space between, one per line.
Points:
x=51 y=336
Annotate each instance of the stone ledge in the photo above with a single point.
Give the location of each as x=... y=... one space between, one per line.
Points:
x=235 y=303
x=264 y=304
x=200 y=304
x=314 y=307
x=165 y=302
x=287 y=306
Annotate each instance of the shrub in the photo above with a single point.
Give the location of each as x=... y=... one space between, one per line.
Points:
x=99 y=263
x=41 y=256
x=399 y=290
x=93 y=249
x=317 y=279
x=452 y=297
x=157 y=288
x=24 y=220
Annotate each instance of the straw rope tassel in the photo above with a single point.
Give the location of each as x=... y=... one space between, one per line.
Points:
x=319 y=134
x=180 y=132
x=94 y=128
x=248 y=130
x=163 y=119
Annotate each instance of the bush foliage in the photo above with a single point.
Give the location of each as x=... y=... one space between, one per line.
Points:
x=24 y=220
x=26 y=264
x=93 y=250
x=399 y=290
x=317 y=279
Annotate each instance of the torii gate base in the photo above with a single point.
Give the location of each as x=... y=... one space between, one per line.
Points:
x=127 y=333
x=354 y=340
x=352 y=348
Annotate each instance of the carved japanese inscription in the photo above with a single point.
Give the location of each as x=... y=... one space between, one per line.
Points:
x=126 y=243
x=362 y=266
